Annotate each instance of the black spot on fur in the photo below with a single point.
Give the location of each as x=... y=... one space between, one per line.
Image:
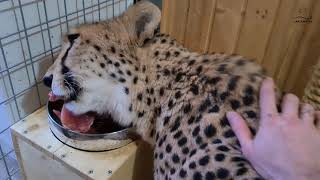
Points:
x=168 y=148
x=175 y=158
x=194 y=89
x=191 y=120
x=140 y=114
x=87 y=41
x=214 y=109
x=224 y=95
x=122 y=80
x=197 y=176
x=166 y=120
x=193 y=152
x=248 y=100
x=199 y=140
x=196 y=131
x=219 y=157
x=156 y=53
x=199 y=69
x=148 y=101
x=113 y=49
x=229 y=134
x=203 y=146
x=179 y=76
x=235 y=104
x=177 y=95
x=182 y=141
x=223 y=148
x=176 y=124
x=126 y=90
x=185 y=150
x=192 y=165
x=177 y=135
x=102 y=65
x=210 y=131
x=168 y=54
x=222 y=68
x=170 y=104
x=113 y=75
x=233 y=83
x=251 y=114
x=98 y=48
x=191 y=62
x=183 y=173
x=216 y=141
x=238 y=159
x=172 y=171
x=210 y=176
x=222 y=173
x=161 y=91
x=166 y=72
x=248 y=90
x=214 y=80
x=116 y=64
x=128 y=73
x=241 y=171
x=224 y=121
x=135 y=80
x=205 y=60
x=187 y=108
x=176 y=53
x=205 y=104
x=163 y=41
x=130 y=107
x=240 y=62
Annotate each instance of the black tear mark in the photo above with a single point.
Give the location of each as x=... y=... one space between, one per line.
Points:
x=72 y=37
x=141 y=23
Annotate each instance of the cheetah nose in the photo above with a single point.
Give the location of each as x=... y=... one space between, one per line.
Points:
x=47 y=80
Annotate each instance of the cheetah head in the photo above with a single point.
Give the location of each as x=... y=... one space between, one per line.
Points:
x=91 y=74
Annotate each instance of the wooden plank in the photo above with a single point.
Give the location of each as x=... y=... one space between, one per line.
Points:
x=164 y=25
x=296 y=33
x=308 y=54
x=176 y=15
x=96 y=165
x=200 y=17
x=279 y=38
x=226 y=25
x=35 y=130
x=258 y=22
x=38 y=166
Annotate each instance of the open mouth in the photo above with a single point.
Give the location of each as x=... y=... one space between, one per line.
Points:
x=90 y=122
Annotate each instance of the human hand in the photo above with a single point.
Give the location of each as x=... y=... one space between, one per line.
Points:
x=287 y=144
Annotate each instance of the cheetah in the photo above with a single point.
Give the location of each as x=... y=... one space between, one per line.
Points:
x=175 y=99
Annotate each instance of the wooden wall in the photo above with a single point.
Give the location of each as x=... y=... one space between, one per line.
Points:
x=282 y=35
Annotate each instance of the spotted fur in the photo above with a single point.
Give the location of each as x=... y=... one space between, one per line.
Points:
x=176 y=99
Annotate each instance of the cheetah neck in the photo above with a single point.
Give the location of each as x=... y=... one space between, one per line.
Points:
x=154 y=87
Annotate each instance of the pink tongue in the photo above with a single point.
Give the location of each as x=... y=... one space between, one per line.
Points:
x=79 y=123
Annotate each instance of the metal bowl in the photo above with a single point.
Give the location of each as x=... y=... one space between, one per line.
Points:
x=88 y=142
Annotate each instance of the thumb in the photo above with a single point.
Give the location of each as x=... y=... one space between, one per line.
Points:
x=241 y=129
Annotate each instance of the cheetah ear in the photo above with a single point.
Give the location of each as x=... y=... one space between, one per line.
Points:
x=142 y=20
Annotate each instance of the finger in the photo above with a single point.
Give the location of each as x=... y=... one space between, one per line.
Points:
x=240 y=128
x=317 y=114
x=307 y=114
x=267 y=99
x=290 y=106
